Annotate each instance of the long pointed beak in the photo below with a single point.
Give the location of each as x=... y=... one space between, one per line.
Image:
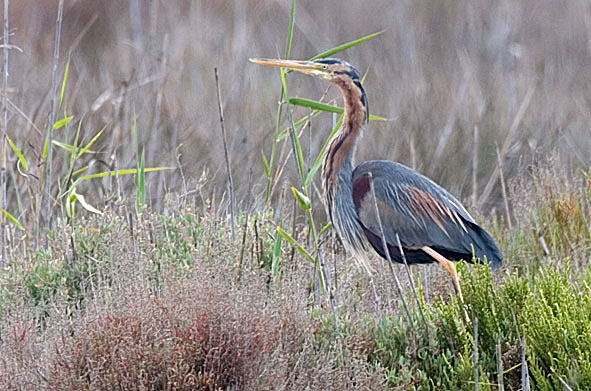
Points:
x=308 y=67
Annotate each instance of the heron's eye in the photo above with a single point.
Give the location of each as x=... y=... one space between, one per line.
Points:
x=324 y=67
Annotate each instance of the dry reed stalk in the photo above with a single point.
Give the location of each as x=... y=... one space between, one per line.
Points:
x=246 y=216
x=226 y=154
x=385 y=246
x=3 y=169
x=508 y=142
x=52 y=109
x=412 y=284
x=500 y=381
x=561 y=380
x=504 y=189
x=475 y=167
x=476 y=366
x=525 y=386
x=540 y=236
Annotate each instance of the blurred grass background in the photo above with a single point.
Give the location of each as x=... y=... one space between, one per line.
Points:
x=440 y=71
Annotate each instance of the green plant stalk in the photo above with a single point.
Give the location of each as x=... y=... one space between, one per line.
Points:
x=276 y=255
x=141 y=184
x=13 y=219
x=319 y=265
x=140 y=197
x=298 y=156
x=73 y=152
x=297 y=152
x=271 y=161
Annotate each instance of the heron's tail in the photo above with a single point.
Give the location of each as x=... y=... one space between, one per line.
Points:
x=485 y=247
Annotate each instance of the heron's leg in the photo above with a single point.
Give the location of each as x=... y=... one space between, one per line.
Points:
x=450 y=267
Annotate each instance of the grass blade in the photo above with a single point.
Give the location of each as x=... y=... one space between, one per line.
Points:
x=129 y=171
x=13 y=219
x=312 y=104
x=303 y=201
x=325 y=228
x=80 y=198
x=296 y=244
x=276 y=256
x=67 y=147
x=290 y=29
x=92 y=141
x=265 y=165
x=345 y=46
x=62 y=122
x=18 y=153
x=64 y=81
x=80 y=171
x=73 y=155
x=46 y=148
x=315 y=105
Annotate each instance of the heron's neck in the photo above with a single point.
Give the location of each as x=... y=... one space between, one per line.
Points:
x=338 y=162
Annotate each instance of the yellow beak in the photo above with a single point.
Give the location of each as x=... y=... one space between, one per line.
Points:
x=309 y=67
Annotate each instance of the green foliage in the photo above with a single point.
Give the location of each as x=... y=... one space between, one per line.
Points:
x=550 y=310
x=319 y=106
x=50 y=279
x=301 y=249
x=303 y=200
x=44 y=280
x=345 y=46
x=63 y=122
x=276 y=256
x=74 y=276
x=557 y=321
x=21 y=158
x=13 y=219
x=178 y=238
x=140 y=195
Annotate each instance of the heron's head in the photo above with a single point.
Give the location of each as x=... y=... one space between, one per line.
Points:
x=333 y=70
x=330 y=69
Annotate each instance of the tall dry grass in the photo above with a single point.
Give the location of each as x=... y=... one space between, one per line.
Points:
x=516 y=72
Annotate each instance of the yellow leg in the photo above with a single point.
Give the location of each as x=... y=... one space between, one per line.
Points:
x=450 y=267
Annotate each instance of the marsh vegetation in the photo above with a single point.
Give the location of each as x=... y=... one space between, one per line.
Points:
x=132 y=264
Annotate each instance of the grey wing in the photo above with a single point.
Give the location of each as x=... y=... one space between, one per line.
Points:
x=421 y=212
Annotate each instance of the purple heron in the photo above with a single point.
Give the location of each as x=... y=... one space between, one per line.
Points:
x=432 y=224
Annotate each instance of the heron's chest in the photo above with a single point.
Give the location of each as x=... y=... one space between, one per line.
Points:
x=343 y=215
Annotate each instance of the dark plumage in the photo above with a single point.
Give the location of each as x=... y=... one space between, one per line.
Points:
x=423 y=214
